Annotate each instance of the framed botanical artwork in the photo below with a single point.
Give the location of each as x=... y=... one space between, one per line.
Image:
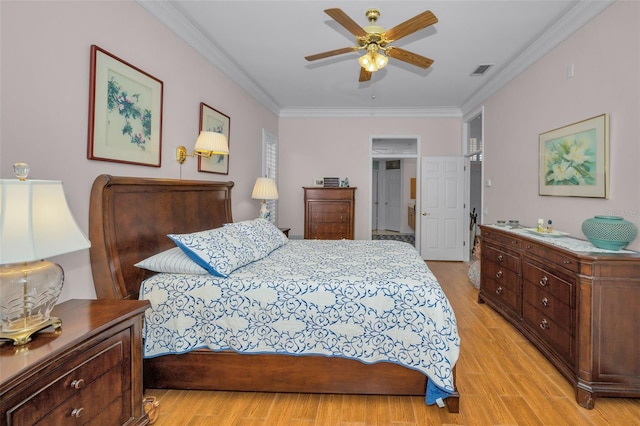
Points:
x=574 y=160
x=125 y=112
x=212 y=120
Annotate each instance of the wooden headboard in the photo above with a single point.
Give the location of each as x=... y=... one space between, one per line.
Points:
x=129 y=219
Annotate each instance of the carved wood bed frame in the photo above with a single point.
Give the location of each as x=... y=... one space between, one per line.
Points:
x=129 y=219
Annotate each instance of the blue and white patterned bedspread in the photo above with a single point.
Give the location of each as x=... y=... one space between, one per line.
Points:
x=369 y=300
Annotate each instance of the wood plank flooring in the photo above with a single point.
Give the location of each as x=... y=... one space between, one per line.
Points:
x=502 y=380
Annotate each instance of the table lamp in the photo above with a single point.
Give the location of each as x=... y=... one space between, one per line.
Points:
x=264 y=189
x=35 y=223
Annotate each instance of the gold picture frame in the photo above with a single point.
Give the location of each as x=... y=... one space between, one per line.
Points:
x=125 y=112
x=574 y=159
x=212 y=120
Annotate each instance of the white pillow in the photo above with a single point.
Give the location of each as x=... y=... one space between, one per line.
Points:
x=220 y=251
x=172 y=261
x=262 y=233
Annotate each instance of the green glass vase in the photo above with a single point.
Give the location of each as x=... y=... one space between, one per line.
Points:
x=609 y=232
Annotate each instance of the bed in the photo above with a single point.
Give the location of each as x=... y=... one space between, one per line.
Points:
x=130 y=220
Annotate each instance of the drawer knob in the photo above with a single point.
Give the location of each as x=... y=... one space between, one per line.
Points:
x=499 y=290
x=544 y=324
x=545 y=302
x=77 y=384
x=566 y=262
x=77 y=412
x=500 y=258
x=499 y=274
x=543 y=281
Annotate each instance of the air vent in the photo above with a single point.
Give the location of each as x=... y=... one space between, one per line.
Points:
x=481 y=69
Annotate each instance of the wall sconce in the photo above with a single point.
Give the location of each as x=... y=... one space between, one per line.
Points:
x=264 y=189
x=207 y=144
x=35 y=223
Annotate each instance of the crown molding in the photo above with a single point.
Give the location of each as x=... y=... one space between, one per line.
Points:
x=370 y=112
x=575 y=18
x=173 y=18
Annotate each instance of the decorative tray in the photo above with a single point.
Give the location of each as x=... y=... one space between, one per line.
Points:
x=552 y=234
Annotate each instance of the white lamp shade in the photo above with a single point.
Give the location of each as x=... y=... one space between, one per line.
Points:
x=35 y=222
x=212 y=143
x=265 y=189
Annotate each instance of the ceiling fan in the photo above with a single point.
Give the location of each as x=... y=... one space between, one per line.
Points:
x=376 y=41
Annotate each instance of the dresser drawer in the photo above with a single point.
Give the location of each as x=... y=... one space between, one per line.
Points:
x=551 y=257
x=510 y=241
x=549 y=331
x=502 y=290
x=329 y=217
x=548 y=305
x=501 y=258
x=88 y=383
x=552 y=284
x=329 y=231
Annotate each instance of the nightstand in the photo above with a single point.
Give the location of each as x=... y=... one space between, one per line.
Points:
x=285 y=231
x=89 y=370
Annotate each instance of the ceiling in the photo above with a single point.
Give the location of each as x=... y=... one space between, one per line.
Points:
x=262 y=44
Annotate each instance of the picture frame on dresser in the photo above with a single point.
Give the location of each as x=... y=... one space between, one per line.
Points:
x=574 y=159
x=212 y=120
x=125 y=112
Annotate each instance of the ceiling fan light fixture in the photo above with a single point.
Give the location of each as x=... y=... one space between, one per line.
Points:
x=381 y=60
x=368 y=62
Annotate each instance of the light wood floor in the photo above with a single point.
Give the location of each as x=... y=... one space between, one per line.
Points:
x=502 y=380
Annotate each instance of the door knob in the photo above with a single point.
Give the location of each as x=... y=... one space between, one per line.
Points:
x=425 y=214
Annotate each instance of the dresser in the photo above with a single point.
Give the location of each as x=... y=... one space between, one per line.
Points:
x=580 y=308
x=87 y=372
x=329 y=213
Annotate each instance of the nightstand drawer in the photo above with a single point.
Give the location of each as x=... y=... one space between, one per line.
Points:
x=79 y=389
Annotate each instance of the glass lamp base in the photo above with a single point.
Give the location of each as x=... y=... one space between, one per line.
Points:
x=23 y=336
x=28 y=293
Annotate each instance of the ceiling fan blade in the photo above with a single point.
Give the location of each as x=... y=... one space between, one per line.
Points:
x=412 y=25
x=409 y=57
x=364 y=75
x=343 y=19
x=330 y=53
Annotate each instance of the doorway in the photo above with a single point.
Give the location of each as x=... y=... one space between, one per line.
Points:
x=393 y=176
x=474 y=125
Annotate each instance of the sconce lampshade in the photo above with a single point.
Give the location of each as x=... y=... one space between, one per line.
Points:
x=35 y=223
x=212 y=143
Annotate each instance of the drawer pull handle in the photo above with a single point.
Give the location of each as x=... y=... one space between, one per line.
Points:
x=528 y=247
x=514 y=242
x=499 y=290
x=566 y=262
x=500 y=258
x=77 y=384
x=543 y=281
x=545 y=302
x=77 y=412
x=499 y=274
x=544 y=324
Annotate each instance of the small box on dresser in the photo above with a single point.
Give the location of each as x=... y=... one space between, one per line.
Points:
x=89 y=371
x=579 y=308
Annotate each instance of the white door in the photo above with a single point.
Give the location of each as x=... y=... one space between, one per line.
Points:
x=442 y=208
x=393 y=198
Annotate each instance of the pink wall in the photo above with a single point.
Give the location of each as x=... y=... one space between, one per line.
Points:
x=606 y=58
x=45 y=78
x=45 y=85
x=317 y=147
